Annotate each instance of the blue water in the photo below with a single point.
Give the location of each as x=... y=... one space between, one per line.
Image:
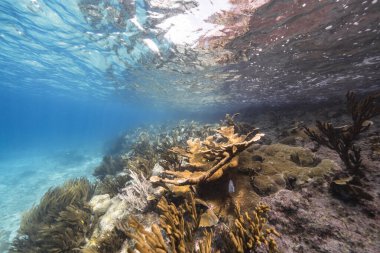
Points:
x=58 y=106
x=45 y=140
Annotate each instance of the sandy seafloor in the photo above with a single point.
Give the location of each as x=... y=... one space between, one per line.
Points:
x=24 y=180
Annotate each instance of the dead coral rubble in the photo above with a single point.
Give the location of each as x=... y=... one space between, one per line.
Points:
x=341 y=139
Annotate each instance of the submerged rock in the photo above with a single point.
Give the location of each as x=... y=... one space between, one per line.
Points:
x=311 y=221
x=282 y=166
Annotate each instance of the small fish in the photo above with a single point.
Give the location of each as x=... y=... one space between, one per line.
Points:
x=231 y=187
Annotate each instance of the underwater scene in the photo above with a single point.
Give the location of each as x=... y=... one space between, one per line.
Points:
x=201 y=126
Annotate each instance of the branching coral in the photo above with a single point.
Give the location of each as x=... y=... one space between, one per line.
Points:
x=180 y=225
x=154 y=148
x=147 y=242
x=250 y=233
x=341 y=139
x=205 y=246
x=208 y=160
x=60 y=223
x=137 y=192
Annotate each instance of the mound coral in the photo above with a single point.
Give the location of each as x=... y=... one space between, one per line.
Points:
x=278 y=166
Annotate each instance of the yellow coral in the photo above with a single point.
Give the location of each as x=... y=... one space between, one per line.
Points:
x=208 y=160
x=179 y=223
x=249 y=233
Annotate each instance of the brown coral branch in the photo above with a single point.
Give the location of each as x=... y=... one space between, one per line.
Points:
x=208 y=160
x=341 y=139
x=193 y=180
x=251 y=232
x=179 y=223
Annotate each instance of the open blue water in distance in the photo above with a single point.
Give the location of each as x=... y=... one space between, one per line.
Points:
x=59 y=106
x=46 y=139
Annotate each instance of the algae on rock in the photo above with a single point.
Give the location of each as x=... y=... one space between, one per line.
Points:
x=277 y=166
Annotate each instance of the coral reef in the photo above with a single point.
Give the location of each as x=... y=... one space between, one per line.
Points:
x=112 y=185
x=209 y=160
x=137 y=192
x=375 y=146
x=4 y=244
x=179 y=223
x=110 y=165
x=142 y=149
x=147 y=242
x=111 y=242
x=311 y=221
x=206 y=196
x=278 y=166
x=251 y=233
x=109 y=212
x=152 y=147
x=341 y=139
x=61 y=221
x=239 y=127
x=183 y=233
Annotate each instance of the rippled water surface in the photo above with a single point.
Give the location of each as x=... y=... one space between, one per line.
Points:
x=192 y=53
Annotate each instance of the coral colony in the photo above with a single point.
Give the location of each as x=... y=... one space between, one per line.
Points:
x=203 y=188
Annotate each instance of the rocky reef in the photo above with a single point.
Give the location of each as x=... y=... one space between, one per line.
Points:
x=223 y=187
